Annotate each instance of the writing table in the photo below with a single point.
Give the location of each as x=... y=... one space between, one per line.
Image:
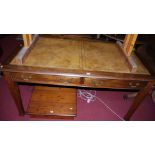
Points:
x=70 y=64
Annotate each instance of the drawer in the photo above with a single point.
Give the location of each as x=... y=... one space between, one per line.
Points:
x=110 y=83
x=45 y=79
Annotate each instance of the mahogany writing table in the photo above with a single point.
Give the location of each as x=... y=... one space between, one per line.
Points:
x=72 y=62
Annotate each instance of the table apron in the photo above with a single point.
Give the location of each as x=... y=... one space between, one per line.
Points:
x=77 y=81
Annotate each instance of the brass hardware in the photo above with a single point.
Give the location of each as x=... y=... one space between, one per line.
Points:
x=137 y=84
x=132 y=85
x=66 y=82
x=26 y=79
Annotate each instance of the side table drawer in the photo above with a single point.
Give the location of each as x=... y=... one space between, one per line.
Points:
x=110 y=83
x=45 y=79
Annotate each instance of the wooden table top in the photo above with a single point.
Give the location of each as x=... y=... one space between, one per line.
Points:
x=79 y=54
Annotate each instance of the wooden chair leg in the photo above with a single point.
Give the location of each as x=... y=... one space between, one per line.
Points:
x=14 y=90
x=138 y=99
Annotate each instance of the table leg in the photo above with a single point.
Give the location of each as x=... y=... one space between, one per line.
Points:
x=15 y=92
x=138 y=99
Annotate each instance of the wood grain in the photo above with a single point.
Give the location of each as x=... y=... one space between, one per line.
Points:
x=30 y=37
x=24 y=52
x=46 y=79
x=53 y=101
x=14 y=90
x=132 y=64
x=52 y=117
x=114 y=84
x=126 y=40
x=138 y=100
x=26 y=40
x=129 y=43
x=76 y=73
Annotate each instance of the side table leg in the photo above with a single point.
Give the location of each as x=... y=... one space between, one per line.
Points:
x=138 y=99
x=14 y=90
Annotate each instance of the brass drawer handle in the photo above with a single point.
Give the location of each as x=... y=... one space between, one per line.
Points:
x=137 y=84
x=66 y=82
x=134 y=85
x=26 y=78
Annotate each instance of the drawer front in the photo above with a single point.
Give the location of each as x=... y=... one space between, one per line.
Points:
x=45 y=79
x=76 y=81
x=110 y=83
